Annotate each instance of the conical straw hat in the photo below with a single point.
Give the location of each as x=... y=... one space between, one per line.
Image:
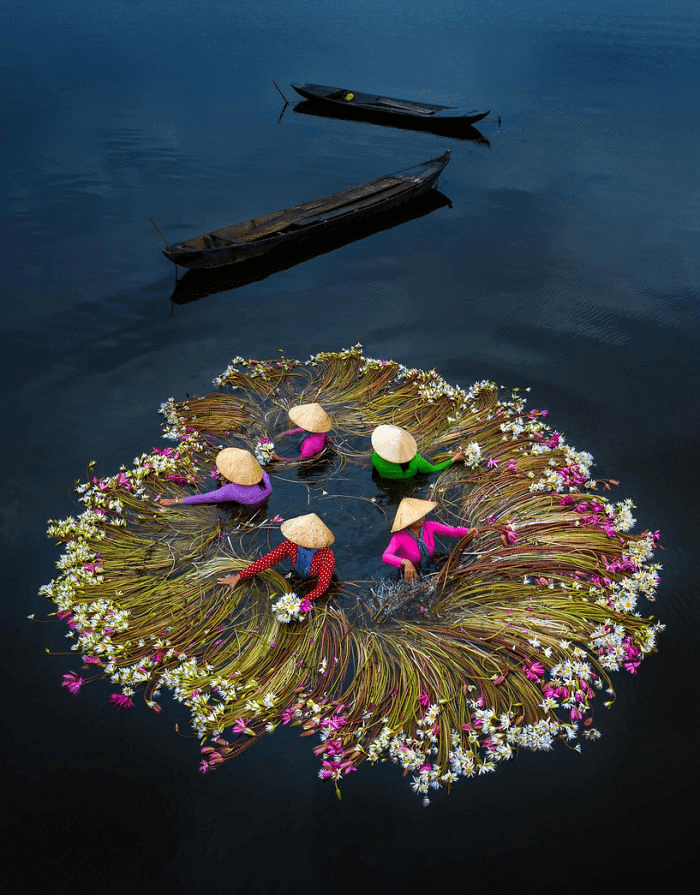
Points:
x=307 y=531
x=239 y=466
x=394 y=444
x=311 y=417
x=410 y=510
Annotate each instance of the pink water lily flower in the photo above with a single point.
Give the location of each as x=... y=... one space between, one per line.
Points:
x=121 y=701
x=72 y=682
x=123 y=480
x=334 y=722
x=239 y=726
x=534 y=671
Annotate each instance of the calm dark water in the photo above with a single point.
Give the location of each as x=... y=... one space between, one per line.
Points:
x=567 y=262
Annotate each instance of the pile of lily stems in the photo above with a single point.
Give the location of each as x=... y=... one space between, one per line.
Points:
x=516 y=635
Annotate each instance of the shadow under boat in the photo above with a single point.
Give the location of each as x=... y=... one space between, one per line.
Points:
x=443 y=127
x=196 y=284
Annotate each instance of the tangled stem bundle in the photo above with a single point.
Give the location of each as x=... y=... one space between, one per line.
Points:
x=506 y=646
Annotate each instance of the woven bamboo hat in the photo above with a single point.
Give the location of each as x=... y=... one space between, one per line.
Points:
x=394 y=444
x=239 y=466
x=311 y=417
x=307 y=531
x=410 y=510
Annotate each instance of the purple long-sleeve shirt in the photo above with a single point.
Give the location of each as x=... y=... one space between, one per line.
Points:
x=404 y=546
x=310 y=446
x=248 y=495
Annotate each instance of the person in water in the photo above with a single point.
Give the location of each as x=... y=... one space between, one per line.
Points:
x=412 y=546
x=307 y=545
x=313 y=423
x=247 y=482
x=396 y=454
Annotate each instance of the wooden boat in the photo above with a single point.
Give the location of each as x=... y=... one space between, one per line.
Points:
x=261 y=235
x=369 y=104
x=196 y=284
x=454 y=129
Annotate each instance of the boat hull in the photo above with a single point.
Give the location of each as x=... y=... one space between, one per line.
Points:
x=260 y=236
x=197 y=284
x=381 y=109
x=454 y=129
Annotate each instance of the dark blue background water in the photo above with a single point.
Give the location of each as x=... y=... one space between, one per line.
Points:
x=568 y=262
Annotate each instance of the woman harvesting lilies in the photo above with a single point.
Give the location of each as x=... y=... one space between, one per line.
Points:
x=396 y=455
x=307 y=545
x=247 y=482
x=412 y=547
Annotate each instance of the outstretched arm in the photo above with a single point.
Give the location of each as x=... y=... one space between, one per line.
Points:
x=267 y=560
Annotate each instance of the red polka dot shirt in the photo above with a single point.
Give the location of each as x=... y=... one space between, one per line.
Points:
x=322 y=565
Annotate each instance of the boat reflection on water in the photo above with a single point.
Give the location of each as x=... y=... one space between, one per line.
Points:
x=196 y=284
x=444 y=127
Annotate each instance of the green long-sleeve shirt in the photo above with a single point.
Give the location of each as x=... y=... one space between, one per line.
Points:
x=418 y=465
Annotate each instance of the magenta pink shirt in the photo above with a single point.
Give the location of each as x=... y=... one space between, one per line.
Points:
x=310 y=446
x=404 y=546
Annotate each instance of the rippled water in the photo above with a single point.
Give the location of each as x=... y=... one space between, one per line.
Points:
x=566 y=260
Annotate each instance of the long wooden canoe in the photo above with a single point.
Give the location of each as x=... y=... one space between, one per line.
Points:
x=352 y=102
x=196 y=284
x=261 y=235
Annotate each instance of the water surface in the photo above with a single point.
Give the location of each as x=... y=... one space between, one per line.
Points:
x=566 y=260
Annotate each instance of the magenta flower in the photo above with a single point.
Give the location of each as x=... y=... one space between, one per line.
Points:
x=424 y=699
x=335 y=747
x=239 y=726
x=534 y=671
x=509 y=535
x=492 y=463
x=72 y=682
x=306 y=605
x=334 y=722
x=212 y=759
x=121 y=701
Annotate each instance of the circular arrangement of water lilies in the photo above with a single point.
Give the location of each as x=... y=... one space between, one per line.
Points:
x=510 y=645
